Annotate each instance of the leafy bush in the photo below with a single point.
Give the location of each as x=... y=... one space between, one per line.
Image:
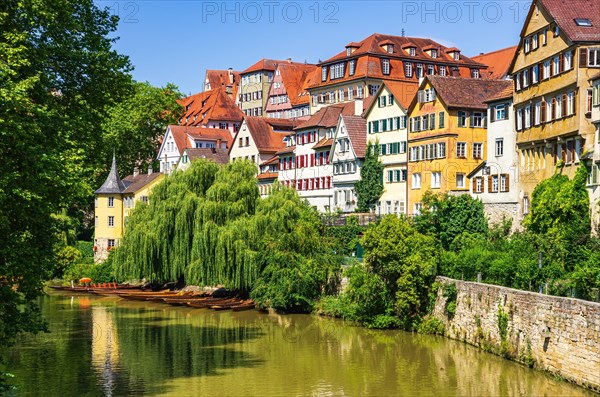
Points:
x=431 y=325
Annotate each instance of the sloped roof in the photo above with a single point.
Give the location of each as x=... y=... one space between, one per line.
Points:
x=565 y=13
x=504 y=94
x=272 y=160
x=465 y=93
x=220 y=78
x=328 y=116
x=264 y=64
x=356 y=127
x=369 y=53
x=268 y=133
x=323 y=143
x=182 y=135
x=219 y=156
x=295 y=77
x=135 y=183
x=112 y=184
x=497 y=62
x=267 y=175
x=212 y=105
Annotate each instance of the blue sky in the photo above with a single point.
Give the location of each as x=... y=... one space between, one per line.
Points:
x=176 y=41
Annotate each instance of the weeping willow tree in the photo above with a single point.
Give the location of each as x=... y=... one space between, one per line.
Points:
x=208 y=226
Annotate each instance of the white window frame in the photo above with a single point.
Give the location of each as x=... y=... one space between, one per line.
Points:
x=499 y=147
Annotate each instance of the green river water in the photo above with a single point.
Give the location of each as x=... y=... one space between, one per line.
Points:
x=104 y=346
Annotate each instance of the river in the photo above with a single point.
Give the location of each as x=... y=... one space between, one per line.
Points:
x=103 y=346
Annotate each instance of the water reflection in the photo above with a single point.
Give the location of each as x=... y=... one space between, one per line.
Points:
x=111 y=347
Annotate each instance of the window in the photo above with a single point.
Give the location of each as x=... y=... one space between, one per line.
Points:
x=111 y=221
x=412 y=51
x=385 y=66
x=336 y=71
x=436 y=180
x=594 y=57
x=324 y=73
x=441 y=118
x=535 y=74
x=475 y=73
x=462 y=119
x=430 y=69
x=525 y=205
x=434 y=53
x=350 y=93
x=111 y=243
x=359 y=91
x=441 y=150
x=527 y=116
x=247 y=141
x=538 y=111
x=443 y=71
x=460 y=181
x=477 y=119
x=534 y=41
x=527 y=45
x=111 y=202
x=499 y=147
x=504 y=182
x=477 y=150
x=390 y=48
x=556 y=31
x=545 y=37
x=525 y=78
x=478 y=185
x=408 y=72
x=494 y=184
x=382 y=101
x=461 y=150
x=583 y=22
x=546 y=73
x=518 y=81
x=417 y=208
x=555 y=66
x=568 y=60
x=351 y=67
x=500 y=112
x=570 y=103
x=416 y=181
x=419 y=70
x=519 y=119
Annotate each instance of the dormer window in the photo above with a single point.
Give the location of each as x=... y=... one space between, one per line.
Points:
x=390 y=48
x=412 y=51
x=475 y=73
x=556 y=31
x=434 y=53
x=348 y=51
x=456 y=56
x=324 y=73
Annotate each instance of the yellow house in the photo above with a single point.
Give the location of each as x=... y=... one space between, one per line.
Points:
x=386 y=124
x=447 y=135
x=114 y=201
x=558 y=51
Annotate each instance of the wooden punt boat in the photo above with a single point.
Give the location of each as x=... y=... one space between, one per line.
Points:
x=208 y=302
x=244 y=306
x=147 y=297
x=227 y=305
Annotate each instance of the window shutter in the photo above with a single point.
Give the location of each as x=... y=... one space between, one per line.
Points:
x=432 y=121
x=370 y=122
x=543 y=112
x=564 y=105
x=561 y=63
x=485 y=120
x=492 y=114
x=489 y=184
x=583 y=57
x=531 y=119
x=507 y=183
x=515 y=82
x=574 y=102
x=470 y=119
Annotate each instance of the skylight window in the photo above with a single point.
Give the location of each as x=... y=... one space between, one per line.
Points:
x=583 y=22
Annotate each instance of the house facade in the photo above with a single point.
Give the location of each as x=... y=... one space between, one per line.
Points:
x=558 y=51
x=357 y=72
x=114 y=200
x=219 y=156
x=387 y=125
x=594 y=179
x=499 y=174
x=447 y=135
x=288 y=97
x=259 y=139
x=178 y=138
x=267 y=175
x=347 y=157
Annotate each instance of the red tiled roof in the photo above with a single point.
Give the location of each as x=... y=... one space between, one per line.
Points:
x=465 y=93
x=219 y=156
x=181 y=135
x=220 y=78
x=288 y=149
x=267 y=64
x=135 y=183
x=369 y=53
x=272 y=160
x=267 y=175
x=328 y=116
x=294 y=77
x=403 y=92
x=268 y=133
x=214 y=105
x=565 y=13
x=323 y=143
x=497 y=62
x=504 y=94
x=356 y=127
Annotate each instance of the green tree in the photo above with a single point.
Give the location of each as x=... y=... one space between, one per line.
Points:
x=370 y=186
x=446 y=217
x=406 y=260
x=58 y=74
x=135 y=125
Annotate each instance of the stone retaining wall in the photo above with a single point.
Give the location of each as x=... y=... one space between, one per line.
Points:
x=560 y=335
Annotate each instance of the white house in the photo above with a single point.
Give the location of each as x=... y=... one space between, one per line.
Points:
x=386 y=124
x=347 y=156
x=495 y=181
x=178 y=138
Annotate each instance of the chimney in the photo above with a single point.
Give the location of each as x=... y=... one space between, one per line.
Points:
x=230 y=73
x=136 y=171
x=289 y=60
x=150 y=171
x=358 y=107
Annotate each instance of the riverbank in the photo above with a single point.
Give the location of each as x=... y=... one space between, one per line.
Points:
x=554 y=334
